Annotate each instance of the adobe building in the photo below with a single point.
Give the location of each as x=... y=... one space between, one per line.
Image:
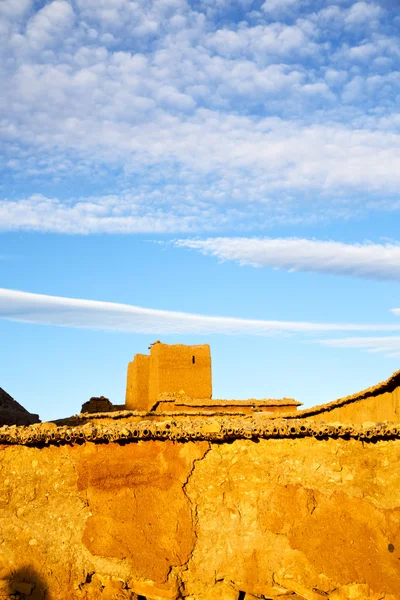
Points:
x=177 y=378
x=189 y=498
x=168 y=369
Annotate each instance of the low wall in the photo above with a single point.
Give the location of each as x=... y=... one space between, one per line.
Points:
x=381 y=407
x=312 y=512
x=378 y=403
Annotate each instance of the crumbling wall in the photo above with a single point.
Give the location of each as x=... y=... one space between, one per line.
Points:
x=315 y=517
x=97 y=404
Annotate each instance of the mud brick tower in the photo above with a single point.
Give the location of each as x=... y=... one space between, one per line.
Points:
x=168 y=369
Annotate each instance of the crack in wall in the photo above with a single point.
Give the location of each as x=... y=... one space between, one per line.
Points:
x=175 y=571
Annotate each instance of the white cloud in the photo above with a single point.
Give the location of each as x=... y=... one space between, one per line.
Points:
x=332 y=158
x=14 y=8
x=139 y=19
x=89 y=314
x=389 y=345
x=49 y=23
x=262 y=41
x=276 y=6
x=256 y=111
x=359 y=17
x=371 y=261
x=360 y=12
x=126 y=213
x=202 y=197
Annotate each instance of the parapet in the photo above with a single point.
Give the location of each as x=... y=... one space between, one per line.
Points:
x=182 y=403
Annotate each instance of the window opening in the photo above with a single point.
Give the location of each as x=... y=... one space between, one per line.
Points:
x=193 y=360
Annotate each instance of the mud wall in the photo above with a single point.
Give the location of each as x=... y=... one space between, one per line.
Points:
x=201 y=520
x=179 y=367
x=384 y=406
x=137 y=383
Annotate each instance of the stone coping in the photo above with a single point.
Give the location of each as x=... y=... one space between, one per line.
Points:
x=223 y=429
x=389 y=385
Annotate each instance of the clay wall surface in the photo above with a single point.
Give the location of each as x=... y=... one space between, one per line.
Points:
x=383 y=407
x=179 y=367
x=201 y=520
x=183 y=403
x=137 y=384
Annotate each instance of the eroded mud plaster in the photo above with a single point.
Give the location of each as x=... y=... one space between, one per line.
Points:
x=201 y=520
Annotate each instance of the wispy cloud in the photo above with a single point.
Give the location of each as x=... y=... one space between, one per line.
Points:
x=90 y=314
x=126 y=213
x=172 y=208
x=368 y=260
x=389 y=345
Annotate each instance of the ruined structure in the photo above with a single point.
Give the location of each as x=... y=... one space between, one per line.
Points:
x=177 y=378
x=207 y=501
x=95 y=405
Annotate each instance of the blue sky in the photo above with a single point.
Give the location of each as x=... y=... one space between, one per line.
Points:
x=207 y=171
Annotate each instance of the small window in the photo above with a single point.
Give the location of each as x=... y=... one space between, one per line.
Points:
x=193 y=360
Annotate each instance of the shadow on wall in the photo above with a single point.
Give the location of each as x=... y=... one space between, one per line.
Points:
x=26 y=583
